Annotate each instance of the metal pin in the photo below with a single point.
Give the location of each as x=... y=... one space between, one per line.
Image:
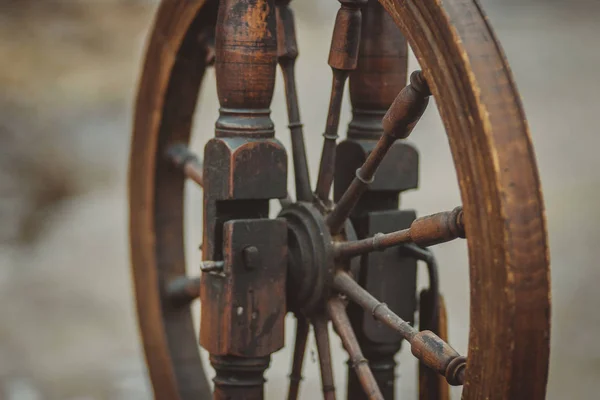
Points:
x=209 y=266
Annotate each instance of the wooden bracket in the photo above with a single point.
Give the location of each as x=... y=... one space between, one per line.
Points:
x=244 y=306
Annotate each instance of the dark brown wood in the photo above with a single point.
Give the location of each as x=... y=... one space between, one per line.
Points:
x=239 y=321
x=438 y=228
x=425 y=345
x=489 y=139
x=380 y=74
x=302 y=328
x=408 y=108
x=391 y=277
x=192 y=167
x=246 y=60
x=244 y=168
x=241 y=325
x=319 y=323
x=432 y=314
x=363 y=177
x=343 y=56
x=287 y=52
x=187 y=161
x=358 y=362
x=168 y=89
x=184 y=290
x=398 y=122
x=239 y=378
x=326 y=165
x=425 y=231
x=239 y=316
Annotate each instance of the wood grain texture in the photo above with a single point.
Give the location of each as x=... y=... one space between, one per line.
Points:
x=433 y=386
x=168 y=89
x=239 y=316
x=500 y=188
x=468 y=76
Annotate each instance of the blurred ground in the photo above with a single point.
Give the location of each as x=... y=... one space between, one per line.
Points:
x=68 y=71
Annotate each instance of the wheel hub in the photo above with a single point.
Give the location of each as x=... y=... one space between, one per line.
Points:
x=311 y=260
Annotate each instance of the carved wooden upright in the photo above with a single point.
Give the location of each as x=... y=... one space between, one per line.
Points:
x=380 y=75
x=347 y=260
x=241 y=323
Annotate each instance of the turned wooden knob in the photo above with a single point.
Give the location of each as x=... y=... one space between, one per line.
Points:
x=407 y=108
x=439 y=356
x=438 y=228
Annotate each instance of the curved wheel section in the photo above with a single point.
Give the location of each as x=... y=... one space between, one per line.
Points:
x=174 y=66
x=316 y=256
x=500 y=188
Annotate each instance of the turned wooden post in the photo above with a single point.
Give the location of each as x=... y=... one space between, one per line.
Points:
x=244 y=167
x=379 y=77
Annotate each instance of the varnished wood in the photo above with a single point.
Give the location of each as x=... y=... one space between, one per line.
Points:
x=239 y=321
x=357 y=361
x=380 y=75
x=425 y=231
x=287 y=52
x=239 y=378
x=184 y=290
x=302 y=329
x=187 y=161
x=239 y=317
x=425 y=345
x=173 y=70
x=343 y=56
x=408 y=107
x=504 y=212
x=398 y=122
x=246 y=60
x=322 y=338
x=433 y=317
x=465 y=71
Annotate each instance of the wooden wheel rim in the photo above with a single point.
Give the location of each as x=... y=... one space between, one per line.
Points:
x=495 y=163
x=157 y=251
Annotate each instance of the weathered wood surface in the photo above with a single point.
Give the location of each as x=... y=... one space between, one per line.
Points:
x=466 y=73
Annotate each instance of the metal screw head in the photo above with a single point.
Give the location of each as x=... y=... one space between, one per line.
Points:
x=251 y=257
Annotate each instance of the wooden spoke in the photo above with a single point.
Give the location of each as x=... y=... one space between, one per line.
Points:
x=343 y=57
x=408 y=107
x=432 y=273
x=322 y=338
x=184 y=290
x=432 y=316
x=302 y=328
x=326 y=167
x=399 y=121
x=337 y=313
x=207 y=38
x=183 y=158
x=287 y=52
x=301 y=257
x=425 y=345
x=424 y=231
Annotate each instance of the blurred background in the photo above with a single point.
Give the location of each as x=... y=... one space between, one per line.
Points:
x=68 y=75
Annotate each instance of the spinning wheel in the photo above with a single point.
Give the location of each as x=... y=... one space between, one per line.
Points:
x=352 y=259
